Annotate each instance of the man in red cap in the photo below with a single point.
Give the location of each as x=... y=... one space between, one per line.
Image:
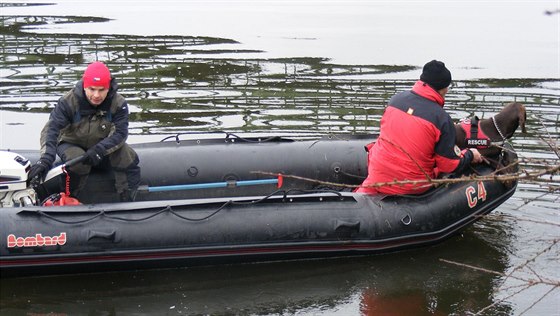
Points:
x=91 y=121
x=417 y=138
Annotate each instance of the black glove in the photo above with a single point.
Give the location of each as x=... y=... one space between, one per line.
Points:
x=93 y=156
x=39 y=170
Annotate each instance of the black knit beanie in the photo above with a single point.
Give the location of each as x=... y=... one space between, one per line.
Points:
x=436 y=75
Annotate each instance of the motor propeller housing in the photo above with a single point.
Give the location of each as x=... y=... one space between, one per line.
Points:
x=14 y=190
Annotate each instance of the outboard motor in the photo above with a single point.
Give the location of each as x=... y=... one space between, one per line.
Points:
x=14 y=191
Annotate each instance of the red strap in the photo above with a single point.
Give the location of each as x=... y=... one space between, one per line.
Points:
x=280 y=180
x=67 y=185
x=63 y=198
x=67 y=200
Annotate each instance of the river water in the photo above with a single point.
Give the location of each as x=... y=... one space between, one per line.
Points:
x=301 y=68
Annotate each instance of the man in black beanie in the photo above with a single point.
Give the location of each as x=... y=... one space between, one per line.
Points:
x=417 y=138
x=436 y=75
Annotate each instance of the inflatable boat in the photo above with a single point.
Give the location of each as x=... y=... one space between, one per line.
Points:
x=226 y=200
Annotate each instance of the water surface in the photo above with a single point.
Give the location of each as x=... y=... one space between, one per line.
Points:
x=300 y=68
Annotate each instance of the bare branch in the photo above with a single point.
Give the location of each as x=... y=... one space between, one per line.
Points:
x=521 y=266
x=550 y=142
x=528 y=282
x=526 y=175
x=525 y=287
x=537 y=301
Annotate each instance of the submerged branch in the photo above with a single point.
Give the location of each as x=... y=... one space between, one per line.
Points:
x=531 y=281
x=526 y=219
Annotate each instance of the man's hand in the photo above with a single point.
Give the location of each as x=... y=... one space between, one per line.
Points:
x=477 y=157
x=39 y=170
x=93 y=156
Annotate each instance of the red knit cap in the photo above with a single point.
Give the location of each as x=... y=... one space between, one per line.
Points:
x=97 y=75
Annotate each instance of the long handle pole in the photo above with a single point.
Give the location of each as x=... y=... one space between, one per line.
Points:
x=225 y=184
x=56 y=171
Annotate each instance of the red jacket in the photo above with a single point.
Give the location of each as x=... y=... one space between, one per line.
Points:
x=417 y=138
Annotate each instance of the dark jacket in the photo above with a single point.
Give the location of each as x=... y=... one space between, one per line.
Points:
x=417 y=138
x=74 y=120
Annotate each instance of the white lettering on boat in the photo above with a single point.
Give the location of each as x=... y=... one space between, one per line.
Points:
x=36 y=241
x=475 y=195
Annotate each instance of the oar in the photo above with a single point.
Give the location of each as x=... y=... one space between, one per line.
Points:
x=225 y=184
x=58 y=170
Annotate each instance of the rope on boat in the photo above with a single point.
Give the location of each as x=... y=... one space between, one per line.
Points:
x=45 y=214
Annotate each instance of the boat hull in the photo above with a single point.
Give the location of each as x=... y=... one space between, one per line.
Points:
x=207 y=231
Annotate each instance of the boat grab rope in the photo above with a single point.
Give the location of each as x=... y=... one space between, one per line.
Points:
x=231 y=202
x=229 y=135
x=53 y=218
x=107 y=214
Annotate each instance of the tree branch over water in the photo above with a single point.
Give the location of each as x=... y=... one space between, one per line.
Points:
x=523 y=273
x=532 y=171
x=524 y=175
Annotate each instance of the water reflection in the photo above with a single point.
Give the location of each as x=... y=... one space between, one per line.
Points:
x=182 y=83
x=392 y=284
